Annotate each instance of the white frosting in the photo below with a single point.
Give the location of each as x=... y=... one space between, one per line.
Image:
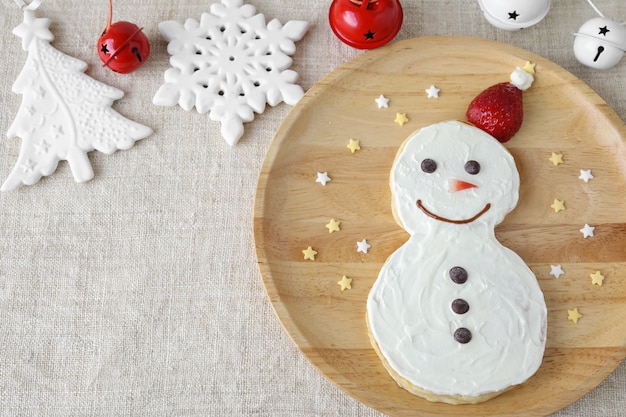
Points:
x=522 y=79
x=409 y=306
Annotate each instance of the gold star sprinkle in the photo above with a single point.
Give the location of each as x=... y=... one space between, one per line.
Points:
x=345 y=283
x=529 y=67
x=333 y=226
x=573 y=315
x=556 y=158
x=353 y=145
x=558 y=205
x=309 y=253
x=401 y=119
x=597 y=278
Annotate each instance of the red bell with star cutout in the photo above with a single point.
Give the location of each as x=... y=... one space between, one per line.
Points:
x=365 y=24
x=123 y=47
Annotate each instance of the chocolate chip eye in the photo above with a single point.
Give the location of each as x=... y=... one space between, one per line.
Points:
x=472 y=167
x=428 y=166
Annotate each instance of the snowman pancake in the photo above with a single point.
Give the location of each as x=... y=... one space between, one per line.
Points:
x=454 y=315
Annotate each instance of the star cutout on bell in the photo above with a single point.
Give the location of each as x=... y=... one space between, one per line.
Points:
x=587 y=231
x=556 y=271
x=574 y=315
x=33 y=28
x=433 y=92
x=401 y=119
x=369 y=35
x=353 y=145
x=604 y=31
x=333 y=226
x=309 y=253
x=363 y=246
x=513 y=15
x=556 y=158
x=585 y=175
x=382 y=101
x=322 y=178
x=558 y=205
x=345 y=283
x=596 y=278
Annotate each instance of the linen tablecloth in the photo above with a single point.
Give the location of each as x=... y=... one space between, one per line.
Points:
x=138 y=293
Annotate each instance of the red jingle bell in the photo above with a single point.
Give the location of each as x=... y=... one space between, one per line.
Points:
x=365 y=24
x=123 y=47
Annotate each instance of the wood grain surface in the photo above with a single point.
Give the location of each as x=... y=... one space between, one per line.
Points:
x=291 y=210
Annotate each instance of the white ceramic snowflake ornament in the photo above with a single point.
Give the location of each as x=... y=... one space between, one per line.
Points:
x=64 y=114
x=230 y=64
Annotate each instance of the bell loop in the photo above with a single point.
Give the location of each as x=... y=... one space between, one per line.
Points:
x=33 y=5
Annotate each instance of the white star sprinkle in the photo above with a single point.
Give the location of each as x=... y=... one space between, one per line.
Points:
x=322 y=178
x=382 y=101
x=556 y=270
x=587 y=231
x=585 y=175
x=433 y=91
x=363 y=246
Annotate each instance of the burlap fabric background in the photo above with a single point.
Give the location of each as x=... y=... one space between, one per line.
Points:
x=138 y=293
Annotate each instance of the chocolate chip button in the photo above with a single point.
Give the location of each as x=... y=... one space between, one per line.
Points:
x=428 y=166
x=460 y=306
x=458 y=275
x=462 y=335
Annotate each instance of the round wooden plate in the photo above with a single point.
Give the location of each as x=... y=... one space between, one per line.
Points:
x=562 y=115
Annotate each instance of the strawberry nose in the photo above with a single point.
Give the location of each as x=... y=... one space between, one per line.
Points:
x=459 y=185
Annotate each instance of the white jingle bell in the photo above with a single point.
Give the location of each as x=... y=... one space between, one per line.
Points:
x=600 y=43
x=514 y=14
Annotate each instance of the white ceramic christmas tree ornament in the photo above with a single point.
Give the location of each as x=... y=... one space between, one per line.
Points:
x=230 y=64
x=64 y=114
x=514 y=14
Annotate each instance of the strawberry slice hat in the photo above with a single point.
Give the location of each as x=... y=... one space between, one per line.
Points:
x=499 y=109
